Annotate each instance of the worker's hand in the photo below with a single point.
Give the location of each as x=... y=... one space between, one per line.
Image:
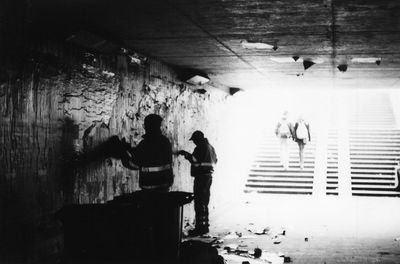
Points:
x=182 y=152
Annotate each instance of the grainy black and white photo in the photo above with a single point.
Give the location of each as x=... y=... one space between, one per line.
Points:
x=199 y=131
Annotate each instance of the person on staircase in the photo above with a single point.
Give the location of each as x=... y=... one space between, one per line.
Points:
x=202 y=162
x=283 y=131
x=301 y=134
x=397 y=177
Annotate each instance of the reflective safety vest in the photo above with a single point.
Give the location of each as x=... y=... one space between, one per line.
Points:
x=156 y=176
x=203 y=160
x=201 y=168
x=153 y=156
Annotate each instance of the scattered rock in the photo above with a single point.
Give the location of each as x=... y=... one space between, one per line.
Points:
x=272 y=258
x=287 y=259
x=257 y=253
x=258 y=230
x=231 y=235
x=277 y=239
x=231 y=247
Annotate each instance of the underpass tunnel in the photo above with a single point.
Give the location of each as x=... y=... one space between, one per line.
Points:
x=79 y=78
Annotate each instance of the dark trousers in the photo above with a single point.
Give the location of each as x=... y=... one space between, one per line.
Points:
x=201 y=189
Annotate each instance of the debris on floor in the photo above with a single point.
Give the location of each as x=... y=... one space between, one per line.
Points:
x=257 y=253
x=277 y=239
x=262 y=257
x=233 y=235
x=240 y=245
x=273 y=258
x=258 y=230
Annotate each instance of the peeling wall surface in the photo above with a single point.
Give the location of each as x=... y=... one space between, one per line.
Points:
x=52 y=109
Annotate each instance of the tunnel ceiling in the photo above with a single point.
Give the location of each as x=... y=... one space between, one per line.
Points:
x=218 y=36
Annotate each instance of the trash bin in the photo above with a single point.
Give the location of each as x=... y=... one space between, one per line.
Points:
x=141 y=225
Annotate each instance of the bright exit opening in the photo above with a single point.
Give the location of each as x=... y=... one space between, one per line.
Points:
x=347 y=187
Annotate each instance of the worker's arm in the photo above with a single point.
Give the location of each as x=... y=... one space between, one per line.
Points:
x=187 y=155
x=127 y=160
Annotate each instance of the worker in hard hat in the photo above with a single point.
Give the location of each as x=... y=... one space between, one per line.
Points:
x=153 y=157
x=202 y=162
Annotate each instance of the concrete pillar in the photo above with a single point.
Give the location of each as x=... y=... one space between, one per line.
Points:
x=319 y=188
x=344 y=176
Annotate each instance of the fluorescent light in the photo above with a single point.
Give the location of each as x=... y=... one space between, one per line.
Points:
x=365 y=60
x=255 y=45
x=282 y=59
x=198 y=80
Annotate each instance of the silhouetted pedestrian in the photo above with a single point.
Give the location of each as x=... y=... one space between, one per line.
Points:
x=301 y=134
x=284 y=132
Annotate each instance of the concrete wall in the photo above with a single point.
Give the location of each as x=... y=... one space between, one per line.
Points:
x=58 y=100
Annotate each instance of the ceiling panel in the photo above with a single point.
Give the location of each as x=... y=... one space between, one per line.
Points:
x=208 y=35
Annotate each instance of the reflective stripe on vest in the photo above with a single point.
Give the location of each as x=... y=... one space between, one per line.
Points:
x=203 y=164
x=156 y=169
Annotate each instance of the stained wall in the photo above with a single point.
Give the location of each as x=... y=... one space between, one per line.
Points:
x=58 y=101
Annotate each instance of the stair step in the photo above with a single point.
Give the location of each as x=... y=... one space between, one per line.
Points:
x=277 y=161
x=306 y=171
x=375 y=193
x=364 y=136
x=281 y=177
x=281 y=186
x=373 y=156
x=283 y=180
x=375 y=181
x=375 y=146
x=376 y=140
x=291 y=155
x=283 y=191
x=371 y=166
x=374 y=150
x=372 y=159
x=362 y=172
x=377 y=162
x=370 y=178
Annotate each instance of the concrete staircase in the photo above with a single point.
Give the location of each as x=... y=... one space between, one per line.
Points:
x=372 y=148
x=268 y=176
x=332 y=169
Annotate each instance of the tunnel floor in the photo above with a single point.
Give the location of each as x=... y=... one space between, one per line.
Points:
x=317 y=229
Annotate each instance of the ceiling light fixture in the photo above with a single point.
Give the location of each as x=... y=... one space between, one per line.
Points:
x=307 y=64
x=342 y=67
x=366 y=60
x=257 y=45
x=198 y=80
x=282 y=59
x=233 y=90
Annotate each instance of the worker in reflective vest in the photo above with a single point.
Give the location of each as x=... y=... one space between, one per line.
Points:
x=153 y=157
x=202 y=162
